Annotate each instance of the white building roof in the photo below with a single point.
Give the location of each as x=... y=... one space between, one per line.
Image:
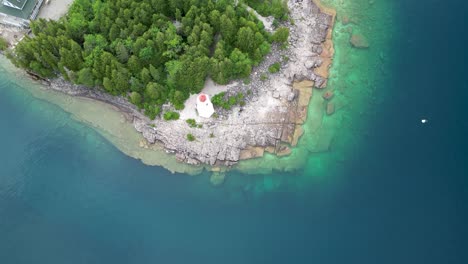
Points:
x=204 y=106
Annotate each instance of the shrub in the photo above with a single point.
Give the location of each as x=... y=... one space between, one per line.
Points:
x=191 y=122
x=274 y=68
x=263 y=77
x=220 y=100
x=291 y=20
x=171 y=116
x=152 y=111
x=281 y=35
x=190 y=137
x=275 y=23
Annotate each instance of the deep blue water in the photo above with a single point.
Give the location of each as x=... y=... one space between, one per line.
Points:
x=68 y=196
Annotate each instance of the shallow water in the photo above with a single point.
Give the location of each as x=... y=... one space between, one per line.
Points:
x=390 y=190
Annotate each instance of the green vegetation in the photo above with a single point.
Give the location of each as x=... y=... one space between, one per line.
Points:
x=212 y=135
x=190 y=137
x=277 y=8
x=275 y=23
x=263 y=77
x=227 y=102
x=3 y=44
x=191 y=122
x=135 y=98
x=171 y=116
x=281 y=35
x=153 y=51
x=274 y=68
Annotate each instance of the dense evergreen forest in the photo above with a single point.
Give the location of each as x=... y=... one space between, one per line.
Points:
x=153 y=51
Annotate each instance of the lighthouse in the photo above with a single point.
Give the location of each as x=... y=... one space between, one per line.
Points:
x=204 y=106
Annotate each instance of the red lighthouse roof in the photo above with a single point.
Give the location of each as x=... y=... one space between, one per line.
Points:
x=202 y=98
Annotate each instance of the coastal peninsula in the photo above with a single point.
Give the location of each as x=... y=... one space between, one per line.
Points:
x=273 y=98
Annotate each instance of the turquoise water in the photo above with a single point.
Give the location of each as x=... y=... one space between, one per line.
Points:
x=390 y=190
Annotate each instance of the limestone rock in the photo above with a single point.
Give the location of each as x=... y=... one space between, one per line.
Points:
x=251 y=152
x=283 y=151
x=290 y=97
x=320 y=82
x=313 y=63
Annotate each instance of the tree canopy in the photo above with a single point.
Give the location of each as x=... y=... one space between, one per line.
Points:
x=153 y=51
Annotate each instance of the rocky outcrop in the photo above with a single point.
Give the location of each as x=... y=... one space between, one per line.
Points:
x=275 y=108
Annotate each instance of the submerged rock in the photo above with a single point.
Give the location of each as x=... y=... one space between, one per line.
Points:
x=359 y=41
x=217 y=178
x=345 y=20
x=328 y=95
x=330 y=108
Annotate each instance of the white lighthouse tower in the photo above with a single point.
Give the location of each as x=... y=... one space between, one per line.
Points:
x=204 y=106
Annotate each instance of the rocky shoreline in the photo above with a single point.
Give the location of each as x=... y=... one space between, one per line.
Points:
x=276 y=107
